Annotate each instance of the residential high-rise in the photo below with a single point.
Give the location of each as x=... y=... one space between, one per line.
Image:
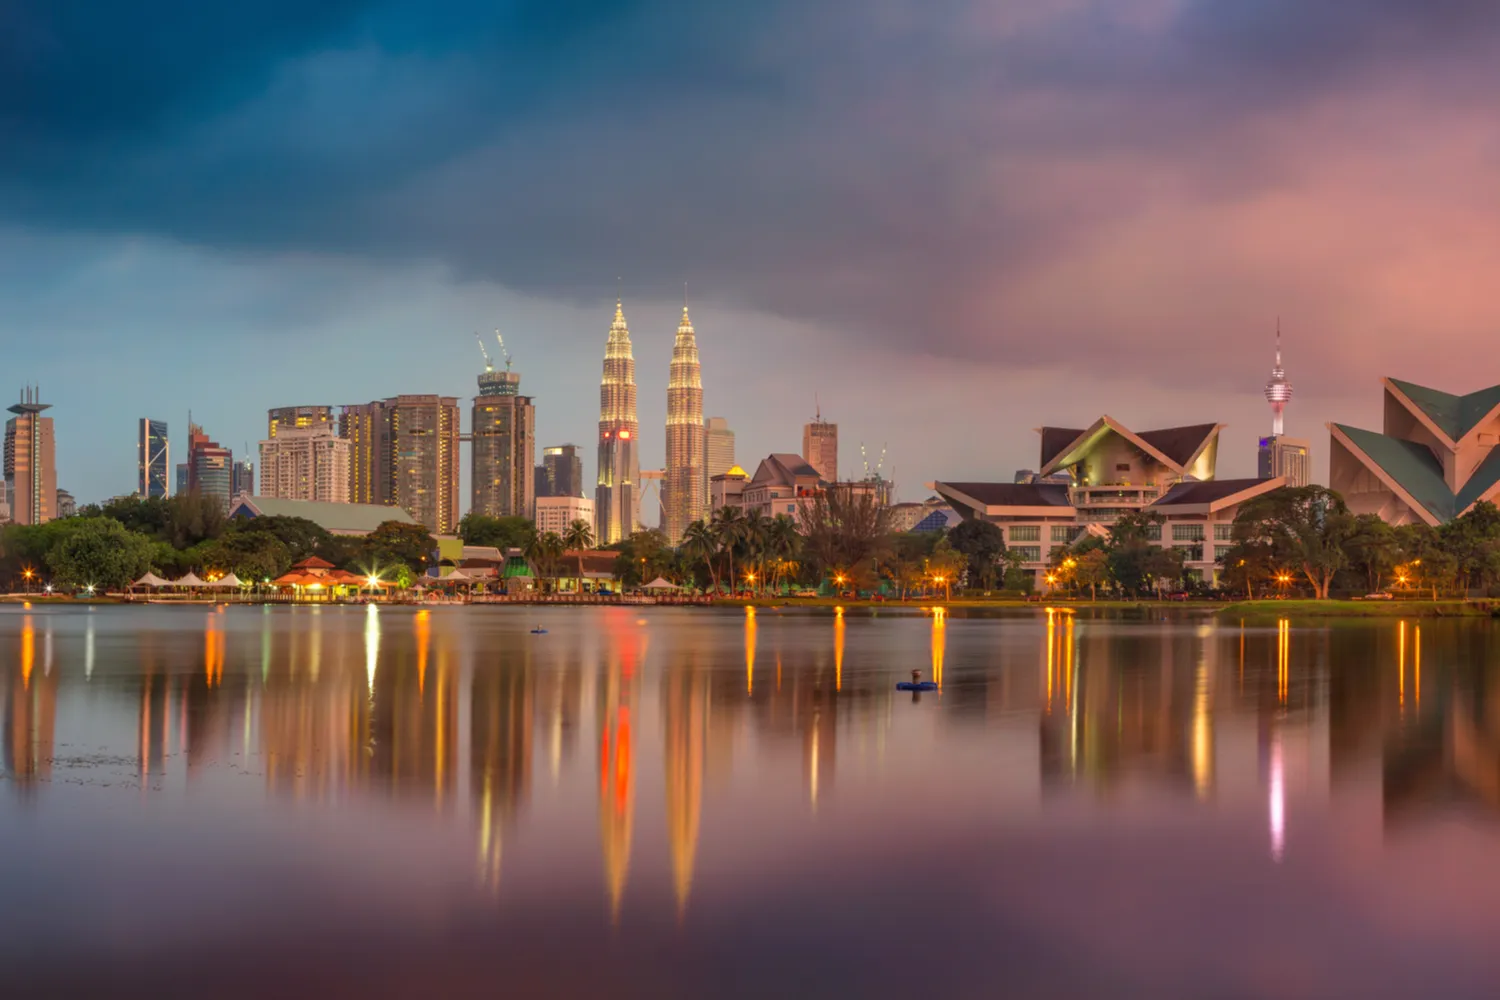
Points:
x=152 y=463
x=210 y=466
x=365 y=426
x=1281 y=455
x=404 y=453
x=820 y=447
x=561 y=472
x=718 y=447
x=30 y=461
x=617 y=499
x=557 y=514
x=67 y=506
x=287 y=417
x=685 y=488
x=182 y=478
x=504 y=425
x=305 y=463
x=243 y=480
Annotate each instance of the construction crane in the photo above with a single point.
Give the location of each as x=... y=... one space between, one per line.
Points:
x=488 y=365
x=503 y=352
x=865 y=458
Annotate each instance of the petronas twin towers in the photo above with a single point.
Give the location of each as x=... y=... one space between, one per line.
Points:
x=617 y=498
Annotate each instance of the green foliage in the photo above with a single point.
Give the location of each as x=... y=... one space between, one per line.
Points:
x=1131 y=552
x=544 y=552
x=395 y=542
x=98 y=552
x=1306 y=528
x=982 y=544
x=300 y=537
x=250 y=555
x=644 y=556
x=499 y=532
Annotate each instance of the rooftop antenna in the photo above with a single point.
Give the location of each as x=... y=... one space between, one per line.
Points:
x=817 y=408
x=503 y=352
x=488 y=365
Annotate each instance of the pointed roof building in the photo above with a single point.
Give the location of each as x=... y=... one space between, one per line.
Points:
x=1436 y=458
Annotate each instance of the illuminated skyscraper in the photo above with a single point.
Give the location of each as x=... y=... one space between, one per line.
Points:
x=305 y=463
x=820 y=447
x=210 y=466
x=287 y=417
x=404 y=453
x=30 y=462
x=685 y=488
x=504 y=422
x=1279 y=454
x=617 y=499
x=152 y=461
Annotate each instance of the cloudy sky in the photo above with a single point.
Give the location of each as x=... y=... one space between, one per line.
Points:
x=950 y=221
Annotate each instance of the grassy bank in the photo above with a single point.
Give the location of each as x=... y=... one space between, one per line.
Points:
x=1357 y=609
x=1263 y=609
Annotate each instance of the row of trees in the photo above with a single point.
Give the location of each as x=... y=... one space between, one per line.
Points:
x=112 y=545
x=1308 y=533
x=1298 y=538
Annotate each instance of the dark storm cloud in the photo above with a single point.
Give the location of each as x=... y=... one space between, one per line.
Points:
x=907 y=169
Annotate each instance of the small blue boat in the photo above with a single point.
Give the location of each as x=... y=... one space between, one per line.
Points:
x=917 y=686
x=538 y=631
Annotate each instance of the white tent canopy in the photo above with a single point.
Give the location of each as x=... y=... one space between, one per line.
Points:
x=660 y=584
x=151 y=580
x=226 y=582
x=191 y=580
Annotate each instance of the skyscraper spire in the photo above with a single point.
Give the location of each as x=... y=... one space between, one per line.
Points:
x=1278 y=389
x=617 y=500
x=685 y=489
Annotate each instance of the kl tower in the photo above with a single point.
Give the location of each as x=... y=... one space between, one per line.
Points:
x=1279 y=454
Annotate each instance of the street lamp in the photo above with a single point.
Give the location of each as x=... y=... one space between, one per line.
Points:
x=28 y=574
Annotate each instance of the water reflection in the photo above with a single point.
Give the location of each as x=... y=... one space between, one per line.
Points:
x=482 y=728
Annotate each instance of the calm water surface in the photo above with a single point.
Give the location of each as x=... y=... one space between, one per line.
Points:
x=644 y=802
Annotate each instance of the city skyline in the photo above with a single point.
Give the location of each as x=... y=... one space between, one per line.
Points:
x=997 y=265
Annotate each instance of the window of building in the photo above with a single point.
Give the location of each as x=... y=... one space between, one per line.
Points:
x=1026 y=533
x=1153 y=532
x=1191 y=553
x=1065 y=532
x=1223 y=532
x=1187 y=532
x=1029 y=553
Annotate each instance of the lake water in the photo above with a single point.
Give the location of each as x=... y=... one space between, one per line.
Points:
x=682 y=802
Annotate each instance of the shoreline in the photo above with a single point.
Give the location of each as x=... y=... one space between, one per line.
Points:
x=1260 y=609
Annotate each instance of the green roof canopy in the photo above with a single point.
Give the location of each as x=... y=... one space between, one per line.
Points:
x=337 y=518
x=1414 y=468
x=1454 y=415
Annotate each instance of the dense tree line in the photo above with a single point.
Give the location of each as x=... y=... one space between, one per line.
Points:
x=112 y=545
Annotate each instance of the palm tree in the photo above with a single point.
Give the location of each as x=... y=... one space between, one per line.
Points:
x=543 y=552
x=580 y=538
x=782 y=543
x=754 y=534
x=729 y=528
x=699 y=543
